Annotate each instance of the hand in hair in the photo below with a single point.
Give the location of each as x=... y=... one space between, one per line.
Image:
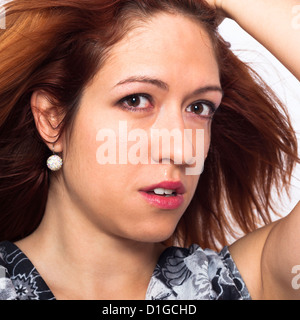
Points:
x=217 y=4
x=260 y=20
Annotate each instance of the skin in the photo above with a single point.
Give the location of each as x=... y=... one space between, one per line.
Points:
x=98 y=207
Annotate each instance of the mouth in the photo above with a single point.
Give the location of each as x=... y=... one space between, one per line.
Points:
x=168 y=188
x=166 y=195
x=163 y=192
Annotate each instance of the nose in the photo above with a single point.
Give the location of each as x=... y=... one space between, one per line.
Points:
x=171 y=141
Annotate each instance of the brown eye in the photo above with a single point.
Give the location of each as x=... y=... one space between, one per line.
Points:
x=137 y=101
x=134 y=101
x=204 y=109
x=197 y=108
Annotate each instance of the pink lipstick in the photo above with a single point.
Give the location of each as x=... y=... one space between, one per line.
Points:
x=166 y=195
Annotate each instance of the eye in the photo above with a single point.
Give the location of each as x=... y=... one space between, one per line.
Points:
x=204 y=109
x=136 y=102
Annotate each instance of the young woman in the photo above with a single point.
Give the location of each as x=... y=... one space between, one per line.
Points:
x=74 y=75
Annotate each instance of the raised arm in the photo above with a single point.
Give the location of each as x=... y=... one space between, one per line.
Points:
x=269 y=259
x=280 y=265
x=274 y=23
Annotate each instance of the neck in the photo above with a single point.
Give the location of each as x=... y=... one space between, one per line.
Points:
x=78 y=261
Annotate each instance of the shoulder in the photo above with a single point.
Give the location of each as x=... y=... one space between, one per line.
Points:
x=196 y=274
x=247 y=254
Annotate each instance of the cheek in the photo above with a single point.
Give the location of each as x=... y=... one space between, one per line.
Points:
x=207 y=138
x=80 y=166
x=200 y=145
x=86 y=166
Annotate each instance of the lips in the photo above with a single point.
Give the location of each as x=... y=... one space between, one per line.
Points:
x=178 y=187
x=166 y=195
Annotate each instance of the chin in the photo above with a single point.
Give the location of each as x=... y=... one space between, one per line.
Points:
x=155 y=234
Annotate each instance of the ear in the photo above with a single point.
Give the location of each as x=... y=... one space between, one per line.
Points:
x=47 y=119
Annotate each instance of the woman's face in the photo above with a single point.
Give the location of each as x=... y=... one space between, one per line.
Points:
x=161 y=76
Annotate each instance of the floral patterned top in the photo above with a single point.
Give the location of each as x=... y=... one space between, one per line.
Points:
x=180 y=274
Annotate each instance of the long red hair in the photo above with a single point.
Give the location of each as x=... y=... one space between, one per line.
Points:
x=59 y=45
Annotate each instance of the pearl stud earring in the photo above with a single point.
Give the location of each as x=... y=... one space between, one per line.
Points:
x=55 y=162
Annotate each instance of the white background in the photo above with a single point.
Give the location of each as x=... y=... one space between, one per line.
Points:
x=285 y=85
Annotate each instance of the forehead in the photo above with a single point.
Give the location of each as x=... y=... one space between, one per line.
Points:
x=166 y=45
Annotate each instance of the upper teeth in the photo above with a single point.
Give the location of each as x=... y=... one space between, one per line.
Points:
x=161 y=191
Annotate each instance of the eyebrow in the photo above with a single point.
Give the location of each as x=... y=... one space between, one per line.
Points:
x=156 y=82
x=164 y=86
